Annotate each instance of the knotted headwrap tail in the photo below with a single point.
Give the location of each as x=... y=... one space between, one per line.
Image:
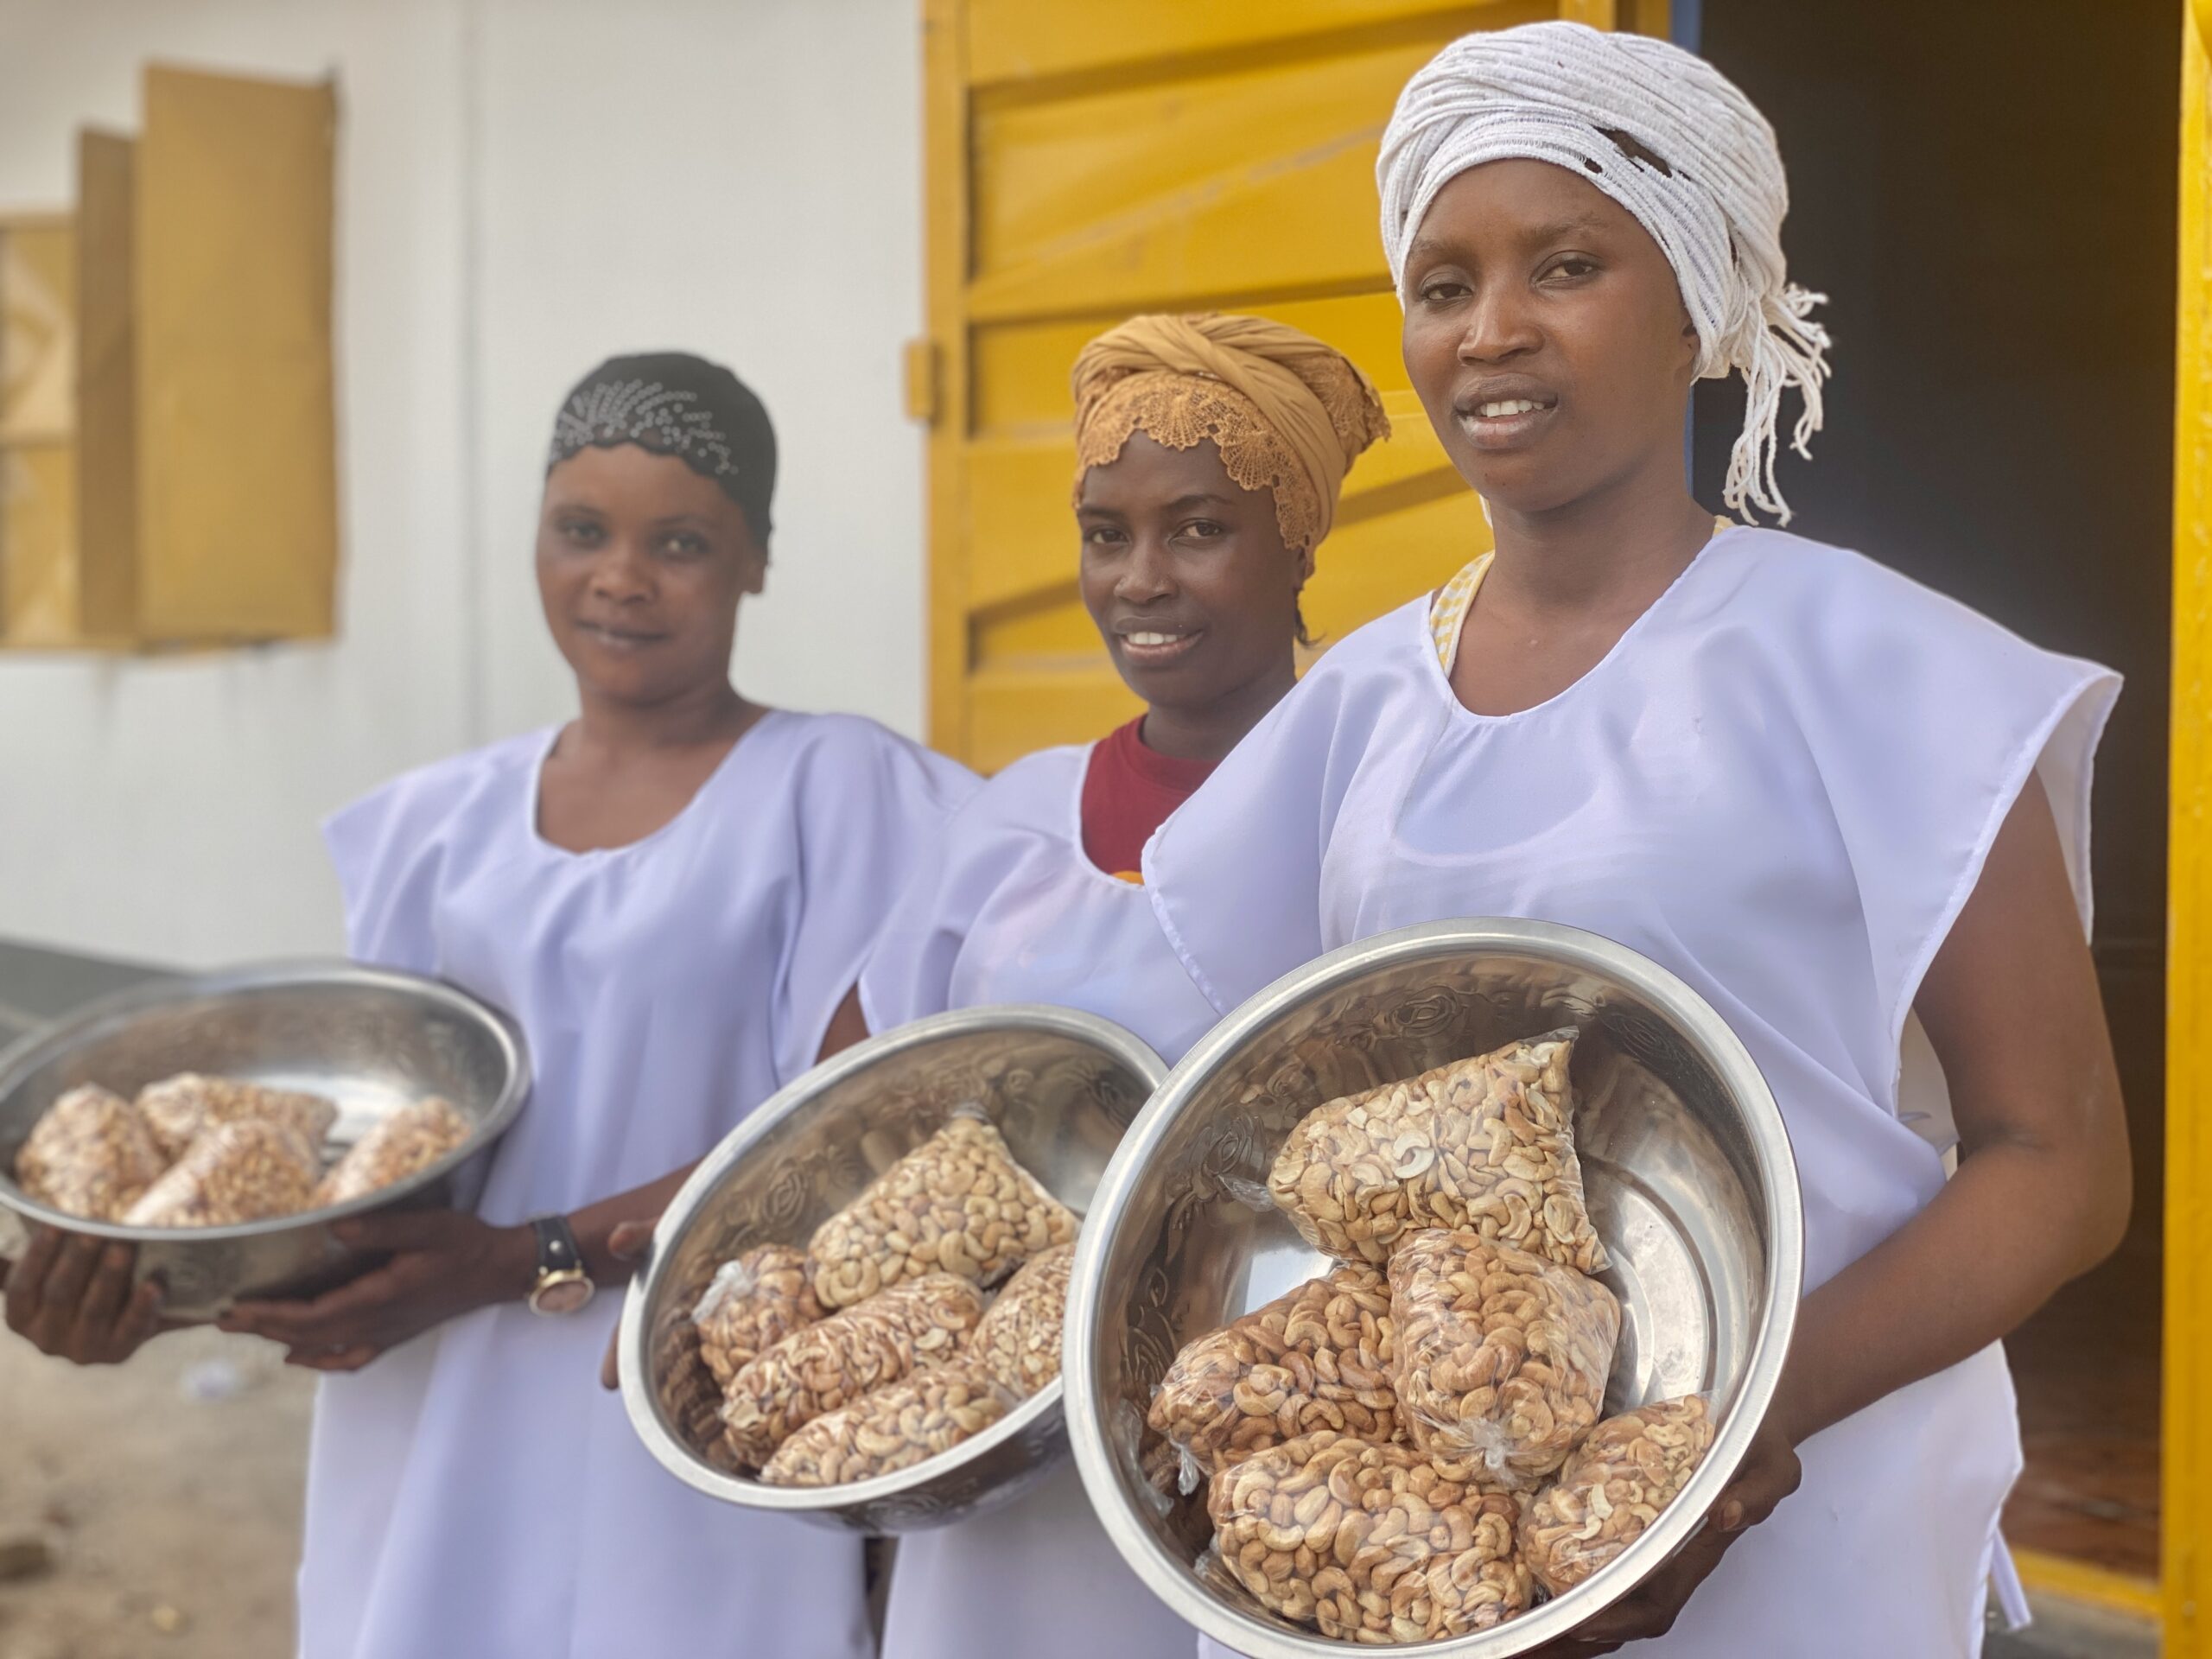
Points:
x=674 y=404
x=1671 y=138
x=1288 y=414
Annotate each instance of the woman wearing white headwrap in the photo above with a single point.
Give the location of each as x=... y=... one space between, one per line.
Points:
x=1853 y=814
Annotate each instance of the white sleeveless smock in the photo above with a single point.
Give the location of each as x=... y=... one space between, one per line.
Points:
x=1781 y=784
x=1014 y=911
x=475 y=1492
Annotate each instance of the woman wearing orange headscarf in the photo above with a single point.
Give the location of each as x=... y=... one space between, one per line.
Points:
x=1210 y=451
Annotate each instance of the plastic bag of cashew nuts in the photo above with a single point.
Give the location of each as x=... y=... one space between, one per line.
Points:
x=1501 y=1355
x=1485 y=1144
x=92 y=1153
x=752 y=1304
x=1019 y=1341
x=179 y=1109
x=1370 y=1544
x=689 y=1394
x=1318 y=1357
x=894 y=1428
x=827 y=1365
x=405 y=1142
x=251 y=1170
x=956 y=1204
x=1612 y=1487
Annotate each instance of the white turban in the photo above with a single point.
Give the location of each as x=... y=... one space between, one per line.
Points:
x=1671 y=138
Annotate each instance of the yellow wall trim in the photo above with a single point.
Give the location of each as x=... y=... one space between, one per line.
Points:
x=2067 y=1580
x=2185 y=1440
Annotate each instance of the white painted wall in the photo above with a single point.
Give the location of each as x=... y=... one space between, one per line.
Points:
x=525 y=186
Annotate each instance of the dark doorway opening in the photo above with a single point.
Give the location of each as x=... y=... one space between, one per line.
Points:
x=1986 y=191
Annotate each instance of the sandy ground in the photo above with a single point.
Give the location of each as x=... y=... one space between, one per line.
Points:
x=173 y=1520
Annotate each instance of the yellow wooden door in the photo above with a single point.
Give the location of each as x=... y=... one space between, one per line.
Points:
x=2185 y=1508
x=1088 y=161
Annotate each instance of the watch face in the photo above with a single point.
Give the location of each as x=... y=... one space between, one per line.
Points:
x=563 y=1296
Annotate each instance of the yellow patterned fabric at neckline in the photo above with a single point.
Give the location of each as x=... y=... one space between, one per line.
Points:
x=1447 y=612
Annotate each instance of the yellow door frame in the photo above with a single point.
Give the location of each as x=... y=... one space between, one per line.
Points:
x=2177 y=1601
x=2185 y=1477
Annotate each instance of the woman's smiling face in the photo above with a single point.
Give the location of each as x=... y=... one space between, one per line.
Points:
x=641 y=563
x=1185 y=574
x=1546 y=335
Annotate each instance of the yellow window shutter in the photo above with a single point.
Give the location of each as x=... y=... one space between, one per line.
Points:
x=38 y=603
x=236 y=431
x=107 y=390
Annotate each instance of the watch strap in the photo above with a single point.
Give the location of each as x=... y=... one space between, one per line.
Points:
x=558 y=1252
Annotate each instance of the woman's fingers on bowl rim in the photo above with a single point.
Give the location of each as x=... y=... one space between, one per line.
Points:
x=108 y=1333
x=107 y=1294
x=142 y=1317
x=349 y=1359
x=71 y=1275
x=26 y=1288
x=274 y=1321
x=308 y=1323
x=331 y=1357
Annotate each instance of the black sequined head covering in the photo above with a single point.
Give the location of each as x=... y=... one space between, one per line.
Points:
x=674 y=404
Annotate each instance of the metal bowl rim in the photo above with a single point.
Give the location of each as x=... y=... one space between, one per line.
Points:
x=1697 y=1022
x=49 y=1042
x=635 y=1359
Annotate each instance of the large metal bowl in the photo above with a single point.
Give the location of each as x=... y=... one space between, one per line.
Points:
x=1688 y=1169
x=370 y=1040
x=1060 y=1085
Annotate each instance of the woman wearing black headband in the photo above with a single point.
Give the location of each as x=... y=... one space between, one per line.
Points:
x=671 y=893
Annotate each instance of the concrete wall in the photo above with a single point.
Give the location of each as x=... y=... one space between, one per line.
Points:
x=525 y=186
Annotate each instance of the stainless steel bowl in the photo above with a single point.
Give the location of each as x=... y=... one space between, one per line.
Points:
x=1060 y=1085
x=1688 y=1170
x=370 y=1040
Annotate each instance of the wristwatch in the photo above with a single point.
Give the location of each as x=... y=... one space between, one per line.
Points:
x=563 y=1286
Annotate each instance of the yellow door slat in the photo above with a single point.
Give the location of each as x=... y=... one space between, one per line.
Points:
x=1241 y=181
x=1020 y=710
x=1221 y=246
x=1020 y=40
x=1020 y=518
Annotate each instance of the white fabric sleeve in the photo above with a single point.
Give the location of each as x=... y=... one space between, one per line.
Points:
x=870 y=811
x=387 y=849
x=1234 y=874
x=1899 y=671
x=908 y=974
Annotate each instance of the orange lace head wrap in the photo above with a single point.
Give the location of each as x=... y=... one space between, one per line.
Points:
x=1288 y=414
